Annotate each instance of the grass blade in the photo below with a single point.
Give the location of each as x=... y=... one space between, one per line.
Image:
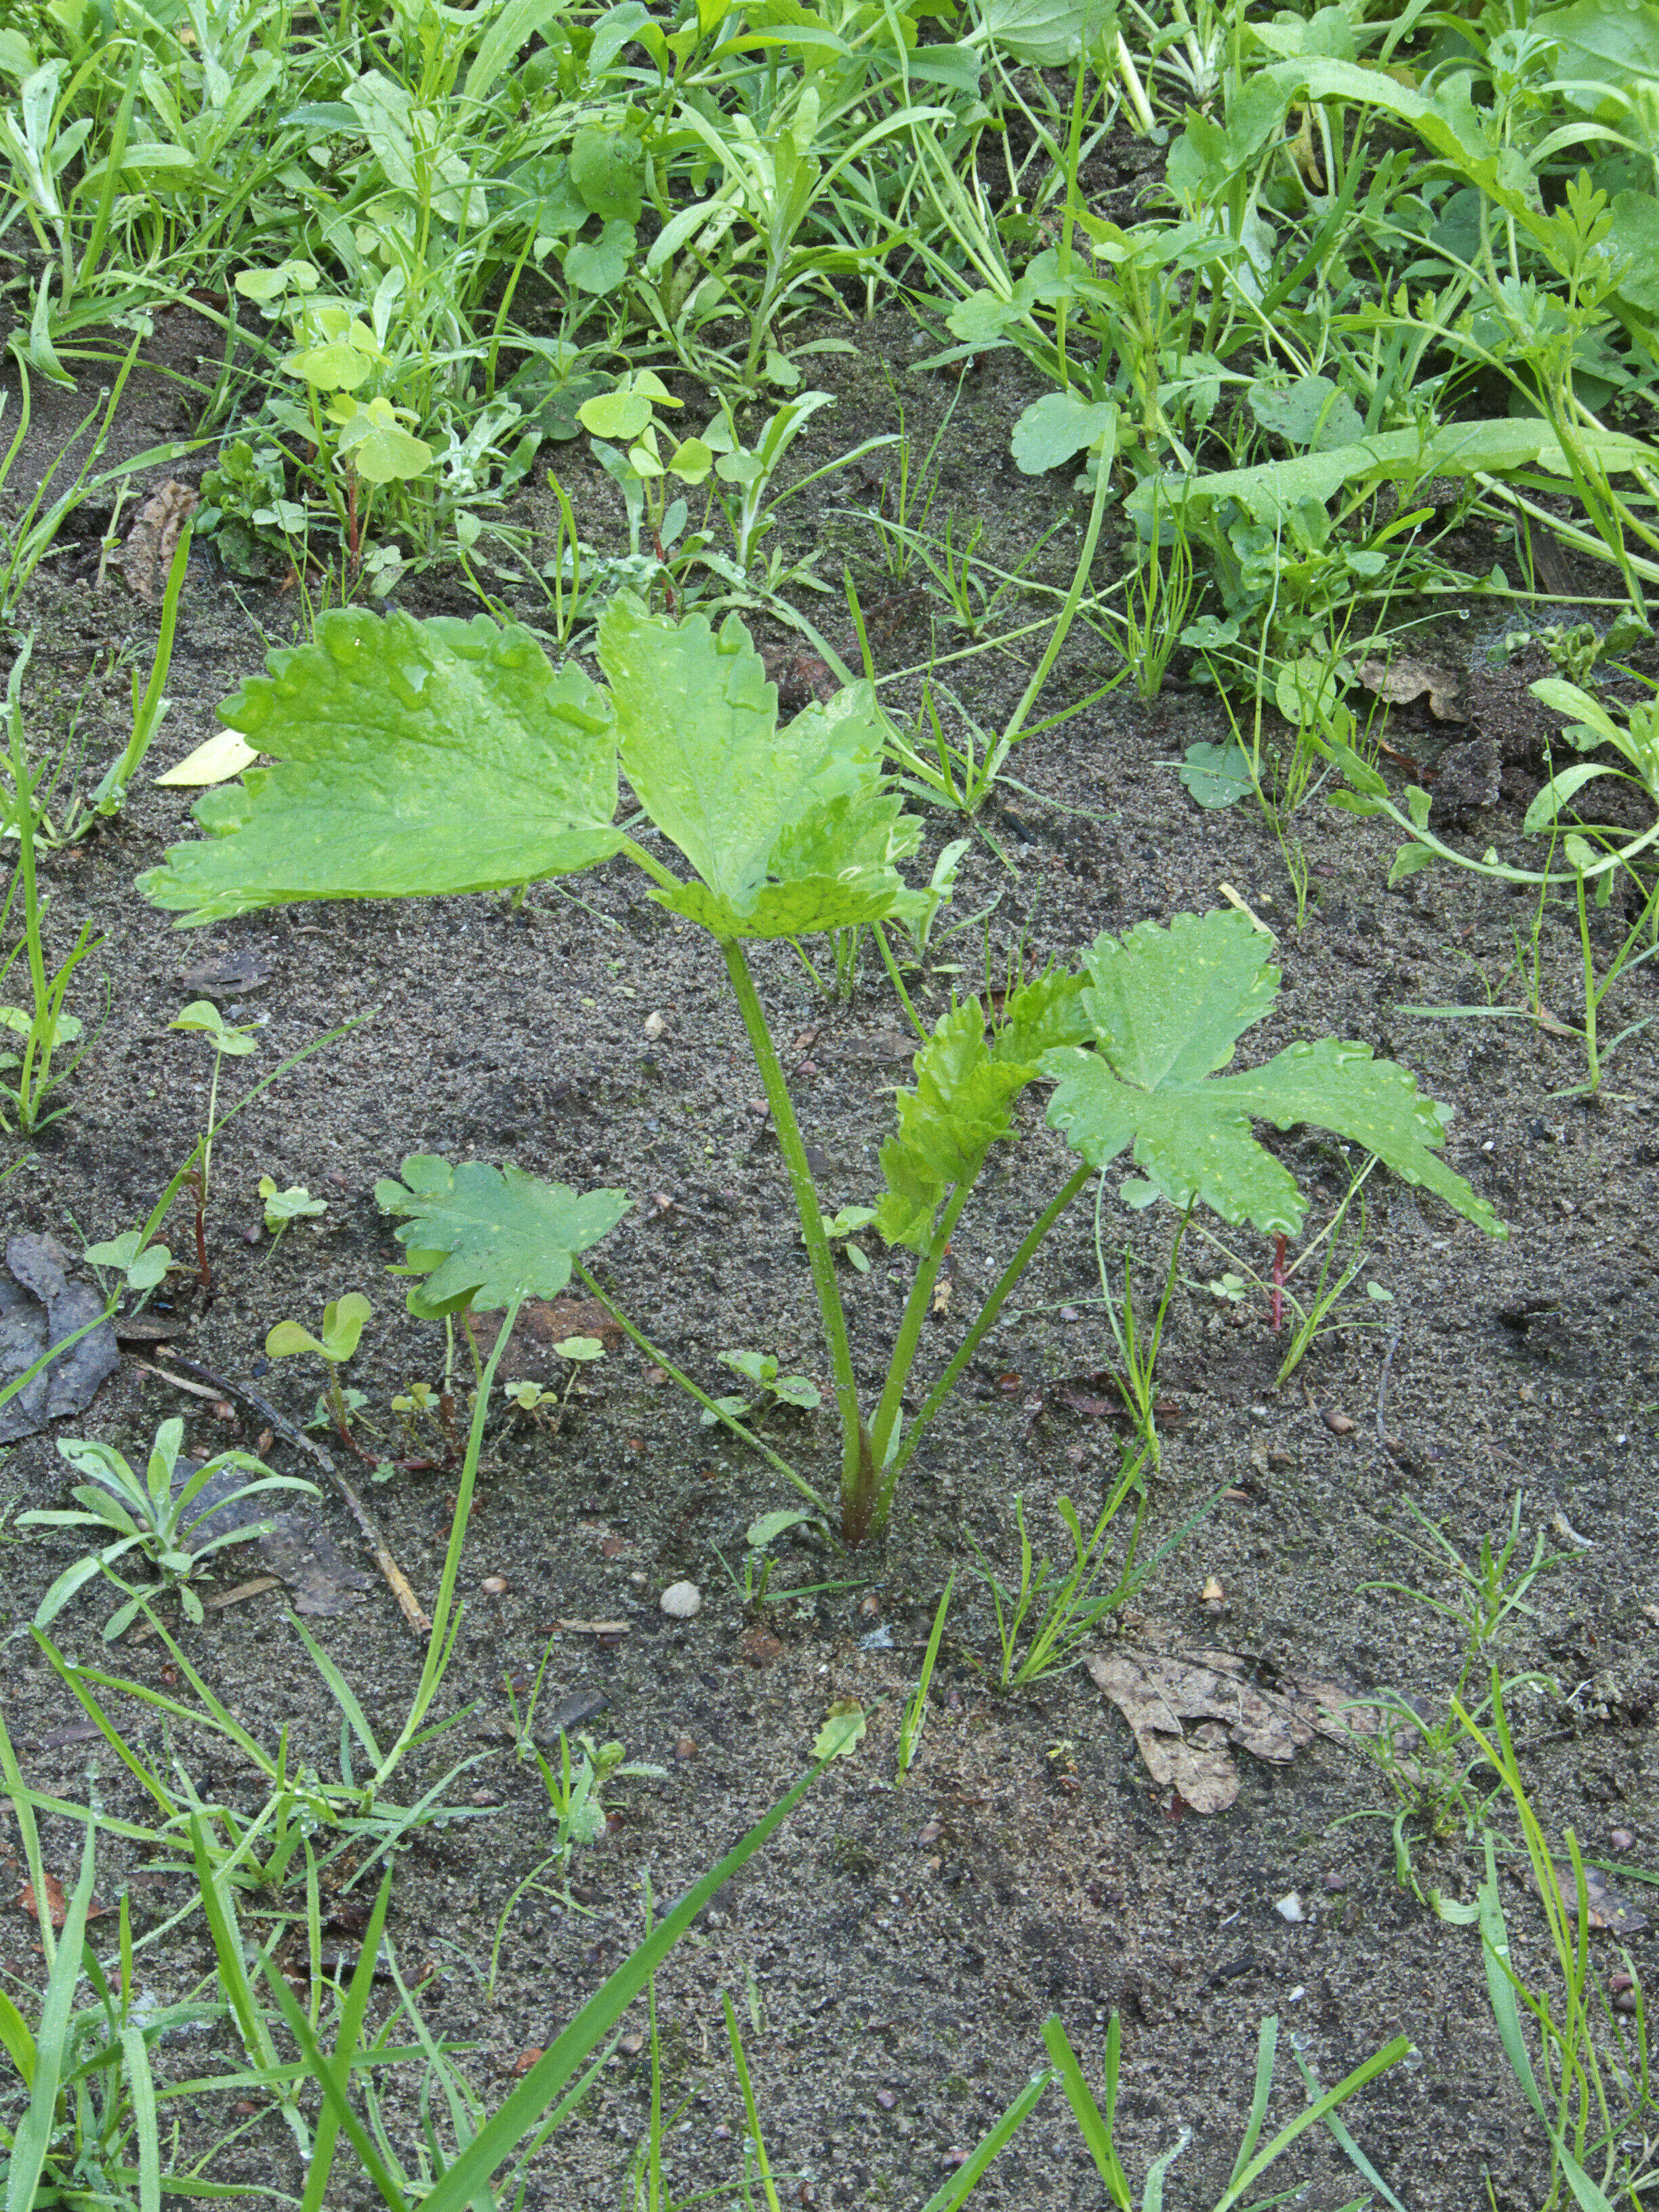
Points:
x=32 y=2144
x=965 y=2179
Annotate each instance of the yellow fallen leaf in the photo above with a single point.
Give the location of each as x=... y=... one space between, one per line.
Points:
x=212 y=761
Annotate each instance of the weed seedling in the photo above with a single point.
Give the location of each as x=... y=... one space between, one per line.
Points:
x=913 y=1718
x=546 y=1407
x=760 y=1369
x=343 y=1325
x=1430 y=1760
x=623 y=427
x=574 y=1800
x=283 y=1206
x=230 y=1042
x=1062 y=1621
x=151 y=1516
x=843 y=1230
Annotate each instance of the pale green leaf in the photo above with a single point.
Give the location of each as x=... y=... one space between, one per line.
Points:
x=494 y=1232
x=962 y=1104
x=598 y=265
x=1495 y=446
x=842 y=1731
x=1046 y=34
x=410 y=758
x=1060 y=425
x=1217 y=776
x=789 y=830
x=1168 y=1008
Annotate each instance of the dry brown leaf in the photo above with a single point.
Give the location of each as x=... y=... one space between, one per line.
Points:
x=1404 y=679
x=542 y=1323
x=56 y=1906
x=1606 y=1908
x=153 y=540
x=1186 y=1713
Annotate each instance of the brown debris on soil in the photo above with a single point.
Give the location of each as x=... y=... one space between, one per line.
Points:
x=1160 y=1693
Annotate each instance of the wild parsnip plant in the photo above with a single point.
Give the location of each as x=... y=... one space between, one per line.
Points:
x=810 y=844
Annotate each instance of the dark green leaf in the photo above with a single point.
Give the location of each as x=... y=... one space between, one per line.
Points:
x=482 y=1234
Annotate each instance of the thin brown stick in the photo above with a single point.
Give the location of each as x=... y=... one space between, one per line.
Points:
x=408 y=1604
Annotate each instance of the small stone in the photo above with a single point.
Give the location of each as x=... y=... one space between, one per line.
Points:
x=758 y=1647
x=870 y=1607
x=1622 y=1839
x=655 y=1024
x=930 y=1832
x=1340 y=1424
x=681 y=1601
x=1214 y=1596
x=494 y=1585
x=685 y=1749
x=886 y=2099
x=1334 y=1882
x=1290 y=1907
x=631 y=2045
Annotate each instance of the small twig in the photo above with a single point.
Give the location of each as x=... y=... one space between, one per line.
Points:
x=408 y=1604
x=1383 y=1391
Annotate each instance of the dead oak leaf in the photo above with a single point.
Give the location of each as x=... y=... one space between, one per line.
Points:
x=1186 y=1713
x=147 y=557
x=1404 y=679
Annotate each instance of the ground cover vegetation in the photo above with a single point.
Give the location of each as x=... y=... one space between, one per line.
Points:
x=581 y=412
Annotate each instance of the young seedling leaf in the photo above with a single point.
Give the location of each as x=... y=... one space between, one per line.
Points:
x=1168 y=1008
x=789 y=830
x=965 y=1090
x=410 y=759
x=486 y=1233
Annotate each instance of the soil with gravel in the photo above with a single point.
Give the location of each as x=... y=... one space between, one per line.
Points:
x=894 y=1952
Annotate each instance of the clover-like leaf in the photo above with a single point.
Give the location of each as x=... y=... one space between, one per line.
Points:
x=1167 y=1010
x=789 y=830
x=482 y=1235
x=411 y=758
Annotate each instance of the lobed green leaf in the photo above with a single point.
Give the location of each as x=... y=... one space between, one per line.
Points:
x=411 y=758
x=483 y=1234
x=1169 y=1007
x=789 y=830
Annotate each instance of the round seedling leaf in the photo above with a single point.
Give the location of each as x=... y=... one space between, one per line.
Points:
x=619 y=416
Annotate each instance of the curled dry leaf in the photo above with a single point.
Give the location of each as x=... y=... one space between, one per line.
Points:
x=153 y=540
x=1186 y=1713
x=1404 y=679
x=1606 y=1908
